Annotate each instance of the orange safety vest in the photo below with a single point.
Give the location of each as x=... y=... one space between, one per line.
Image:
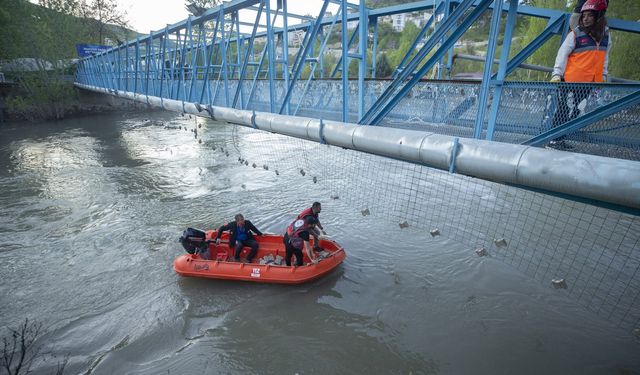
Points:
x=586 y=62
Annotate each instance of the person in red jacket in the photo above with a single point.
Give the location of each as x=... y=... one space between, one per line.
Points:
x=313 y=211
x=296 y=238
x=583 y=57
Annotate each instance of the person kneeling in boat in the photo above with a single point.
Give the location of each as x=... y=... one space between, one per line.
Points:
x=240 y=236
x=318 y=230
x=297 y=237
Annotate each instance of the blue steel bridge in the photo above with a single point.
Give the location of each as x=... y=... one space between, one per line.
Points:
x=241 y=55
x=254 y=63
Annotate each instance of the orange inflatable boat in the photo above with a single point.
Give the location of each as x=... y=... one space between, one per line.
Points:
x=268 y=265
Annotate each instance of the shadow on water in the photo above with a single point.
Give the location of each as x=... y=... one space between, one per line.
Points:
x=269 y=329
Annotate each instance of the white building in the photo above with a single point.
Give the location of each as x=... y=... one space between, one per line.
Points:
x=398 y=21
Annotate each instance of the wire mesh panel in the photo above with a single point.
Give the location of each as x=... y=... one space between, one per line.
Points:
x=590 y=253
x=528 y=109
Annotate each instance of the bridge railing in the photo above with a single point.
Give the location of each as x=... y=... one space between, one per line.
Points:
x=526 y=110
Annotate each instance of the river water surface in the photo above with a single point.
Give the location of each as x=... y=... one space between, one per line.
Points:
x=90 y=213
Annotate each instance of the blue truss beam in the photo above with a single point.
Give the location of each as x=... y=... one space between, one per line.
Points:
x=165 y=54
x=305 y=53
x=412 y=65
x=586 y=120
x=209 y=59
x=420 y=36
x=502 y=67
x=389 y=104
x=338 y=66
x=488 y=65
x=272 y=57
x=248 y=53
x=553 y=27
x=345 y=63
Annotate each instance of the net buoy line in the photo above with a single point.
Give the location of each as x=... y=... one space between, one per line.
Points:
x=613 y=183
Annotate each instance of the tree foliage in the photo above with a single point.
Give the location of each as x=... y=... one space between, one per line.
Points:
x=383 y=69
x=530 y=28
x=107 y=14
x=625 y=50
x=624 y=53
x=200 y=5
x=43 y=39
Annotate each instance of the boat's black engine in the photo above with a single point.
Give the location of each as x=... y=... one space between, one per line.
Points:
x=193 y=241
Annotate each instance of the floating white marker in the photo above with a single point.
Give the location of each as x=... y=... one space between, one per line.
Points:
x=500 y=242
x=559 y=283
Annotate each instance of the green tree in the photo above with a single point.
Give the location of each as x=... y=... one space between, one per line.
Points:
x=625 y=50
x=529 y=30
x=383 y=69
x=407 y=37
x=198 y=7
x=104 y=19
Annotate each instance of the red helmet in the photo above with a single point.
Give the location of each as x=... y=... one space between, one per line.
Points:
x=594 y=5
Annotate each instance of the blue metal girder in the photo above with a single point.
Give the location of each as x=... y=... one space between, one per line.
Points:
x=488 y=65
x=421 y=34
x=285 y=48
x=586 y=120
x=272 y=58
x=209 y=59
x=460 y=109
x=298 y=68
x=201 y=49
x=248 y=53
x=457 y=33
x=148 y=60
x=447 y=10
x=292 y=15
x=257 y=72
x=362 y=68
x=411 y=66
x=553 y=27
x=502 y=67
x=298 y=58
x=255 y=77
x=374 y=47
x=315 y=64
x=224 y=43
x=239 y=39
x=338 y=66
x=179 y=63
x=345 y=63
x=135 y=77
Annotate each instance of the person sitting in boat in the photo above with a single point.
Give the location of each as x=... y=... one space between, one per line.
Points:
x=313 y=211
x=296 y=237
x=240 y=235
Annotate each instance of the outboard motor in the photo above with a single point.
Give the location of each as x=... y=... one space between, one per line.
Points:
x=193 y=241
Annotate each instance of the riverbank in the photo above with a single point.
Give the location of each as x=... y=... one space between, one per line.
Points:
x=81 y=103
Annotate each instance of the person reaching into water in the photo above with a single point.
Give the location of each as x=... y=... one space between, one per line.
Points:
x=240 y=235
x=296 y=238
x=313 y=211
